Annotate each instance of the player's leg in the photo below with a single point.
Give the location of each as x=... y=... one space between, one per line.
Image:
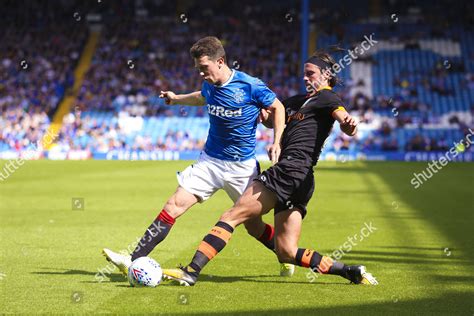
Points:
x=176 y=206
x=264 y=233
x=287 y=233
x=261 y=231
x=256 y=201
x=195 y=184
x=239 y=177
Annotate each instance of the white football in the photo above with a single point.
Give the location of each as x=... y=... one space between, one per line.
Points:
x=144 y=271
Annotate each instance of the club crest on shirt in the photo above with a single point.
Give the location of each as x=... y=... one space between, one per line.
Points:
x=239 y=95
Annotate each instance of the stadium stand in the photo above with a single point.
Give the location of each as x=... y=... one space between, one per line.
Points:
x=411 y=92
x=37 y=59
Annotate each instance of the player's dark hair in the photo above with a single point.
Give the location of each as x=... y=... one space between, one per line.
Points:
x=209 y=46
x=325 y=56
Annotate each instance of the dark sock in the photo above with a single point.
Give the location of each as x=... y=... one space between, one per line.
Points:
x=210 y=246
x=267 y=237
x=311 y=259
x=338 y=268
x=156 y=233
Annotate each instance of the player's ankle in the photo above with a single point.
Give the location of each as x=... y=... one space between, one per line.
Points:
x=193 y=269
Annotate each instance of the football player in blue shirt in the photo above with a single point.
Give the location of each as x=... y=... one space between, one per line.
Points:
x=234 y=101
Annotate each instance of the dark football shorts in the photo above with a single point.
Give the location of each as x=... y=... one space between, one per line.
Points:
x=293 y=184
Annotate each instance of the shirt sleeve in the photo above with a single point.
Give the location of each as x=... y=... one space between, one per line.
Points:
x=330 y=101
x=262 y=95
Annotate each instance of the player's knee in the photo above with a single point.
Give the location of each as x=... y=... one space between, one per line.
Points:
x=227 y=216
x=234 y=216
x=174 y=208
x=180 y=202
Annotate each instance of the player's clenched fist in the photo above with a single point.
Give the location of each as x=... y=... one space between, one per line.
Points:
x=169 y=96
x=349 y=125
x=274 y=151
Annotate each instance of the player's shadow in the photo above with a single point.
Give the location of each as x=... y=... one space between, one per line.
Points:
x=98 y=277
x=443 y=204
x=451 y=303
x=412 y=248
x=203 y=278
x=119 y=278
x=250 y=278
x=435 y=257
x=256 y=279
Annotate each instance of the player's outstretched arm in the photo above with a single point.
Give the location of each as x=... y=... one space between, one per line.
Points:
x=346 y=121
x=193 y=98
x=277 y=113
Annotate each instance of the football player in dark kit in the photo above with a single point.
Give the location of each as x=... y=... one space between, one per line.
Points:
x=288 y=185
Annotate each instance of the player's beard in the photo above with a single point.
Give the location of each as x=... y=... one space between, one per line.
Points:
x=310 y=88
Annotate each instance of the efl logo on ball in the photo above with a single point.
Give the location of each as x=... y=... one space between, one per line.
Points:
x=145 y=271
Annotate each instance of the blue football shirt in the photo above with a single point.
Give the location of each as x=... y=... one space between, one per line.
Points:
x=233 y=109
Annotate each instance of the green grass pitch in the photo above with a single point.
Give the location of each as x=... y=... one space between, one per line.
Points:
x=421 y=251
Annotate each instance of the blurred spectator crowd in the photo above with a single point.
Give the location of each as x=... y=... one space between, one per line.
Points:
x=140 y=54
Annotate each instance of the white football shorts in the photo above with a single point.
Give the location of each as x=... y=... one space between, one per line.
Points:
x=208 y=175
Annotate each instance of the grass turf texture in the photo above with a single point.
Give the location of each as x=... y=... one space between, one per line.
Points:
x=50 y=253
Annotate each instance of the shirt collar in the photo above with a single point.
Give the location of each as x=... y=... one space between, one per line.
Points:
x=228 y=80
x=325 y=87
